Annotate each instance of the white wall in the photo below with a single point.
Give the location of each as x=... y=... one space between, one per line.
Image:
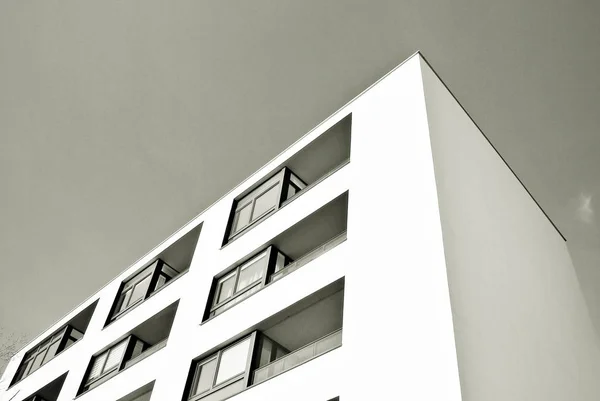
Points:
x=522 y=327
x=398 y=336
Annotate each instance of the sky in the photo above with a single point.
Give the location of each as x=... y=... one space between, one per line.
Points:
x=122 y=120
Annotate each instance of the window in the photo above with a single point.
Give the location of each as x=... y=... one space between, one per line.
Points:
x=223 y=373
x=142 y=341
x=301 y=332
x=47 y=350
x=244 y=280
x=264 y=200
x=290 y=250
x=108 y=363
x=233 y=361
x=138 y=288
x=257 y=357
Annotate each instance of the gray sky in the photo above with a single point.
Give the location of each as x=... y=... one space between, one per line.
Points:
x=121 y=120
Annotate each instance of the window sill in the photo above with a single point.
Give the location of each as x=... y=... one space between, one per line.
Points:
x=243 y=295
x=134 y=306
x=286 y=202
x=218 y=388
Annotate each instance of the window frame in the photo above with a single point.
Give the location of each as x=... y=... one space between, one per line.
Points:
x=250 y=198
x=283 y=178
x=59 y=337
x=130 y=342
x=154 y=270
x=244 y=376
x=237 y=270
x=270 y=252
x=88 y=382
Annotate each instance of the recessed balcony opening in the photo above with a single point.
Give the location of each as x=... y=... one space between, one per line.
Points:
x=141 y=394
x=55 y=344
x=296 y=335
x=305 y=335
x=167 y=266
x=318 y=233
x=143 y=341
x=179 y=255
x=305 y=169
x=50 y=391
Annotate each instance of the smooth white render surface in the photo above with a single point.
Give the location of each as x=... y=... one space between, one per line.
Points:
x=520 y=322
x=398 y=336
x=522 y=327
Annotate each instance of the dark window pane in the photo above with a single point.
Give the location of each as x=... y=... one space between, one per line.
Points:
x=266 y=202
x=123 y=301
x=52 y=351
x=24 y=371
x=204 y=376
x=225 y=287
x=241 y=218
x=251 y=272
x=43 y=345
x=139 y=291
x=233 y=361
x=37 y=362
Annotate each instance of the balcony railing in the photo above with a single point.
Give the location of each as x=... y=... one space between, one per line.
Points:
x=147 y=353
x=312 y=255
x=301 y=355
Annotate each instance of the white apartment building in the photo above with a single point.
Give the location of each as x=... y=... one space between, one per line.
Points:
x=388 y=254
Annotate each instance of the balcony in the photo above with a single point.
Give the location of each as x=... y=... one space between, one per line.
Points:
x=55 y=344
x=50 y=391
x=297 y=334
x=143 y=341
x=167 y=266
x=305 y=241
x=319 y=159
x=154 y=348
x=310 y=256
x=298 y=357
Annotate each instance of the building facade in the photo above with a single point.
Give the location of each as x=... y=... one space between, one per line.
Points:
x=329 y=275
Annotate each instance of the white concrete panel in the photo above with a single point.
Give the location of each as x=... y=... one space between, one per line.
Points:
x=522 y=327
x=398 y=334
